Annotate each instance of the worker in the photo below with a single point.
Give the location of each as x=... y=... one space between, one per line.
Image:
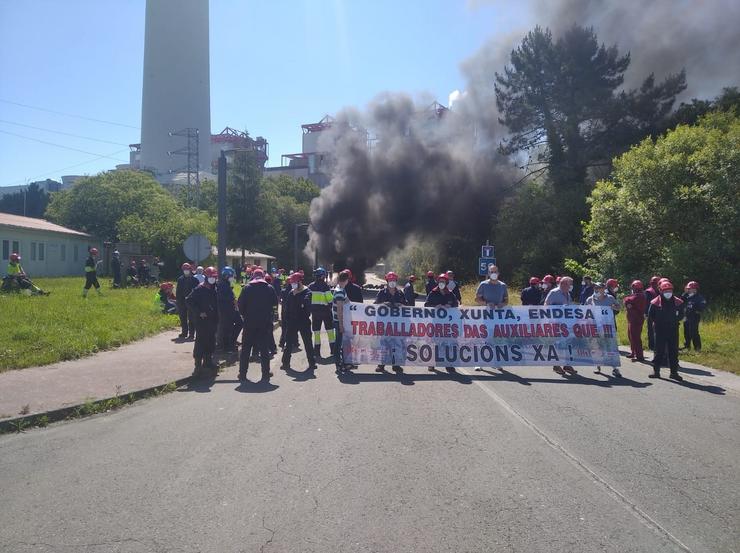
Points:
x=199 y=274
x=392 y=296
x=132 y=275
x=256 y=303
x=587 y=289
x=431 y=283
x=548 y=281
x=269 y=280
x=612 y=287
x=695 y=304
x=561 y=296
x=651 y=293
x=453 y=286
x=227 y=311
x=532 y=294
x=636 y=306
x=297 y=307
x=115 y=265
x=143 y=273
x=186 y=283
x=665 y=313
x=354 y=290
x=441 y=296
x=339 y=298
x=16 y=277
x=602 y=298
x=166 y=298
x=91 y=273
x=321 y=297
x=204 y=304
x=492 y=292
x=409 y=292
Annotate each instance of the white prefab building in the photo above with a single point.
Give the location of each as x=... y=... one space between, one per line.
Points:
x=46 y=249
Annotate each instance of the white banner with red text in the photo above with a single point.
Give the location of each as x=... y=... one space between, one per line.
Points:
x=479 y=336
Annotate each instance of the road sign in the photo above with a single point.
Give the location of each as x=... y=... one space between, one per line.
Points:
x=483 y=263
x=196 y=247
x=486 y=251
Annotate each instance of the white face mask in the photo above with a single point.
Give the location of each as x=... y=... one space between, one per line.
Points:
x=667 y=295
x=493 y=276
x=451 y=285
x=392 y=284
x=211 y=280
x=442 y=285
x=692 y=293
x=186 y=273
x=294 y=285
x=570 y=288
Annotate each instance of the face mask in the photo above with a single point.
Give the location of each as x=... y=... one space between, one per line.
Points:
x=211 y=280
x=294 y=285
x=451 y=285
x=616 y=289
x=667 y=295
x=392 y=284
x=186 y=273
x=493 y=276
x=570 y=288
x=442 y=285
x=692 y=293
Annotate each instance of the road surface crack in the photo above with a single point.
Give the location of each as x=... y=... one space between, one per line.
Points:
x=269 y=540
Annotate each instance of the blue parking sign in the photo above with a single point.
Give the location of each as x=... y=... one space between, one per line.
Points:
x=483 y=263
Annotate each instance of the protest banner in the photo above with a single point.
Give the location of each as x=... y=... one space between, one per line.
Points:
x=479 y=336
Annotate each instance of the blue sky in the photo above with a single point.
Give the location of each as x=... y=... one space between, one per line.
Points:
x=274 y=65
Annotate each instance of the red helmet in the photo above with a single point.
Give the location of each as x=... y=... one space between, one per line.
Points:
x=665 y=284
x=654 y=281
x=637 y=285
x=210 y=272
x=692 y=285
x=186 y=267
x=258 y=274
x=412 y=278
x=93 y=251
x=430 y=274
x=295 y=277
x=662 y=280
x=558 y=279
x=346 y=272
x=612 y=283
x=549 y=279
x=166 y=286
x=268 y=279
x=14 y=257
x=534 y=281
x=391 y=276
x=444 y=277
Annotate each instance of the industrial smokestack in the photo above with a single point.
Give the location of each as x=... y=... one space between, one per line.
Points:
x=176 y=91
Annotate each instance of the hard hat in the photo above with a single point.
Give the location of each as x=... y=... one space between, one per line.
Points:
x=268 y=279
x=692 y=285
x=319 y=272
x=295 y=277
x=199 y=268
x=430 y=274
x=612 y=282
x=665 y=284
x=599 y=285
x=227 y=272
x=549 y=279
x=534 y=281
x=444 y=277
x=258 y=274
x=637 y=285
x=93 y=251
x=654 y=281
x=450 y=274
x=558 y=279
x=186 y=266
x=116 y=253
x=391 y=276
x=15 y=257
x=165 y=286
x=210 y=272
x=412 y=278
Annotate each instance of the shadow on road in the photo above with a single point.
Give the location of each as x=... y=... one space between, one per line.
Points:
x=260 y=387
x=716 y=390
x=300 y=376
x=700 y=372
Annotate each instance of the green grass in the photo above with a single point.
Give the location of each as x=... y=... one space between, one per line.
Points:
x=38 y=330
x=719 y=335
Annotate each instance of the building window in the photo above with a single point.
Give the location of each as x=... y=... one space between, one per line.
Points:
x=6 y=250
x=76 y=252
x=16 y=247
x=33 y=251
x=63 y=252
x=42 y=251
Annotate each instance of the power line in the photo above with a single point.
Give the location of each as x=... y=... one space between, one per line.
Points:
x=63 y=133
x=69 y=114
x=21 y=181
x=61 y=146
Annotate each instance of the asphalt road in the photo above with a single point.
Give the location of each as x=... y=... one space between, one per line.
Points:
x=522 y=460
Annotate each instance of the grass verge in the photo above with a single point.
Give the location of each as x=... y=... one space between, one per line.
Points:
x=38 y=330
x=719 y=334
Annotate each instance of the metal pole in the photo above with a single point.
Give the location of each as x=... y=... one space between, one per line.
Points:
x=222 y=211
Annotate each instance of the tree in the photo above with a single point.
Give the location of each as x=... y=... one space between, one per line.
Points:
x=30 y=202
x=672 y=207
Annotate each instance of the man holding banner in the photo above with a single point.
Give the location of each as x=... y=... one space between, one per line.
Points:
x=561 y=296
x=440 y=296
x=390 y=296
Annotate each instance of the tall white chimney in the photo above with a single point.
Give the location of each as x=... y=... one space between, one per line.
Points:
x=176 y=93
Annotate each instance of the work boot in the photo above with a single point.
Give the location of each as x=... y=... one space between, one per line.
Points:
x=675 y=376
x=656 y=373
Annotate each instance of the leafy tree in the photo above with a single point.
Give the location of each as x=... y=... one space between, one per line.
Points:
x=32 y=202
x=672 y=207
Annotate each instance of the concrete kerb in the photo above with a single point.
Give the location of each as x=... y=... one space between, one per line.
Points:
x=17 y=424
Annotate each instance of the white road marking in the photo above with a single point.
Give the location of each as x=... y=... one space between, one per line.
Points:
x=631 y=506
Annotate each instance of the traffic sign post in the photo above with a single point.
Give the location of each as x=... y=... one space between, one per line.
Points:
x=483 y=263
